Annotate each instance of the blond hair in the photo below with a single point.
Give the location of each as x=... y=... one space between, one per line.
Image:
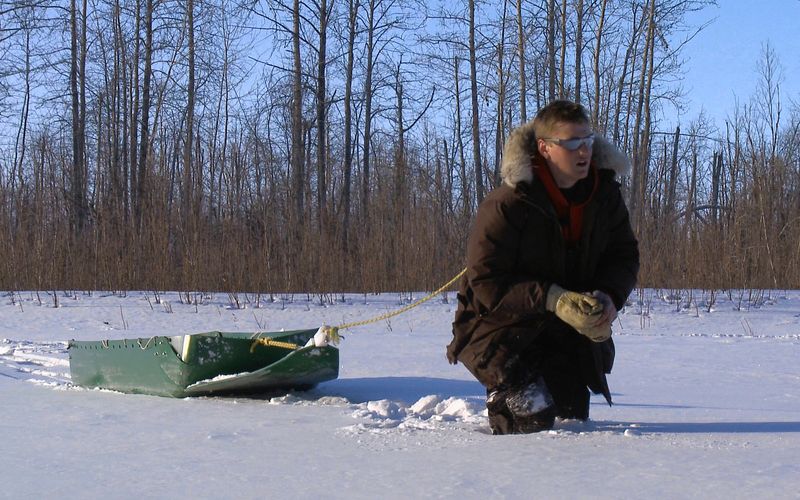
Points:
x=559 y=111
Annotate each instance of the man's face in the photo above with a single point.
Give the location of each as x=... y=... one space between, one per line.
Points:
x=567 y=166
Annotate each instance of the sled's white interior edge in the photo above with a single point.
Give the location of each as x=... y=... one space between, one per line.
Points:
x=187 y=339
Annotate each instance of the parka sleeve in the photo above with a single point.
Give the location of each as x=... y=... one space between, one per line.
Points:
x=492 y=251
x=618 y=265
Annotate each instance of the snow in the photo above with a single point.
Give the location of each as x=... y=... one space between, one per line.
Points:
x=707 y=405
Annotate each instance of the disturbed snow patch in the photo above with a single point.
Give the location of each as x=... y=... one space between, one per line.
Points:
x=426 y=413
x=45 y=363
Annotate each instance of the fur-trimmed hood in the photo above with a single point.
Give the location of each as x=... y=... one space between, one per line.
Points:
x=521 y=146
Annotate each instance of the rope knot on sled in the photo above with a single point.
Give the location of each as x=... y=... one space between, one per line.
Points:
x=324 y=336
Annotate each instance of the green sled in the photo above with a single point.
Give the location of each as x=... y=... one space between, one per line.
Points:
x=202 y=364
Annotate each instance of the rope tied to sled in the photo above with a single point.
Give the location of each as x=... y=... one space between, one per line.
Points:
x=332 y=334
x=333 y=331
x=269 y=342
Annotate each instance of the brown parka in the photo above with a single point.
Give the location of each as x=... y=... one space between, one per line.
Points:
x=516 y=251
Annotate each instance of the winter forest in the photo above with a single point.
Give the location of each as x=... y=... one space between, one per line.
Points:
x=334 y=146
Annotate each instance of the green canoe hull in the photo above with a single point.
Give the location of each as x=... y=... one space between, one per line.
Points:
x=202 y=364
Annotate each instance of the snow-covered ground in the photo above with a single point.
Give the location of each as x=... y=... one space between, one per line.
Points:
x=707 y=405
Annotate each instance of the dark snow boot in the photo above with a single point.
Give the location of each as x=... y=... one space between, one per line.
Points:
x=521 y=410
x=500 y=419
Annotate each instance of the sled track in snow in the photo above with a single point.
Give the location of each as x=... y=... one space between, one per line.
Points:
x=45 y=363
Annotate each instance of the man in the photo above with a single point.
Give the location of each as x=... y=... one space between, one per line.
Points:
x=551 y=258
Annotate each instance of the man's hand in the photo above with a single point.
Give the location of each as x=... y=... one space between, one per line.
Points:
x=599 y=333
x=590 y=314
x=601 y=330
x=578 y=310
x=609 y=309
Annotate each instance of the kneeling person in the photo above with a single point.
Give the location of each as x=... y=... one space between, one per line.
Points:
x=551 y=257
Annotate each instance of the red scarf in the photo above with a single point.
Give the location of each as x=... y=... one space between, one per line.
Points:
x=570 y=215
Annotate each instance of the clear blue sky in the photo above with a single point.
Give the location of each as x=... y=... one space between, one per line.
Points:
x=722 y=60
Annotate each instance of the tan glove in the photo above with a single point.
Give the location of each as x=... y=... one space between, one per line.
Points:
x=609 y=309
x=601 y=330
x=599 y=333
x=578 y=310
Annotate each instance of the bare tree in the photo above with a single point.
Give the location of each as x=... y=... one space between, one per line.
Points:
x=523 y=83
x=579 y=14
x=641 y=126
x=188 y=182
x=298 y=175
x=78 y=92
x=352 y=28
x=502 y=78
x=476 y=135
x=562 y=68
x=325 y=11
x=373 y=25
x=672 y=178
x=144 y=137
x=597 y=47
x=551 y=49
x=465 y=189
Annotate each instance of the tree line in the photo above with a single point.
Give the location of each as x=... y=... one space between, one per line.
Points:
x=344 y=145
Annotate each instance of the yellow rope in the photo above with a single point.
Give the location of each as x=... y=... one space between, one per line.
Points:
x=333 y=331
x=266 y=341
